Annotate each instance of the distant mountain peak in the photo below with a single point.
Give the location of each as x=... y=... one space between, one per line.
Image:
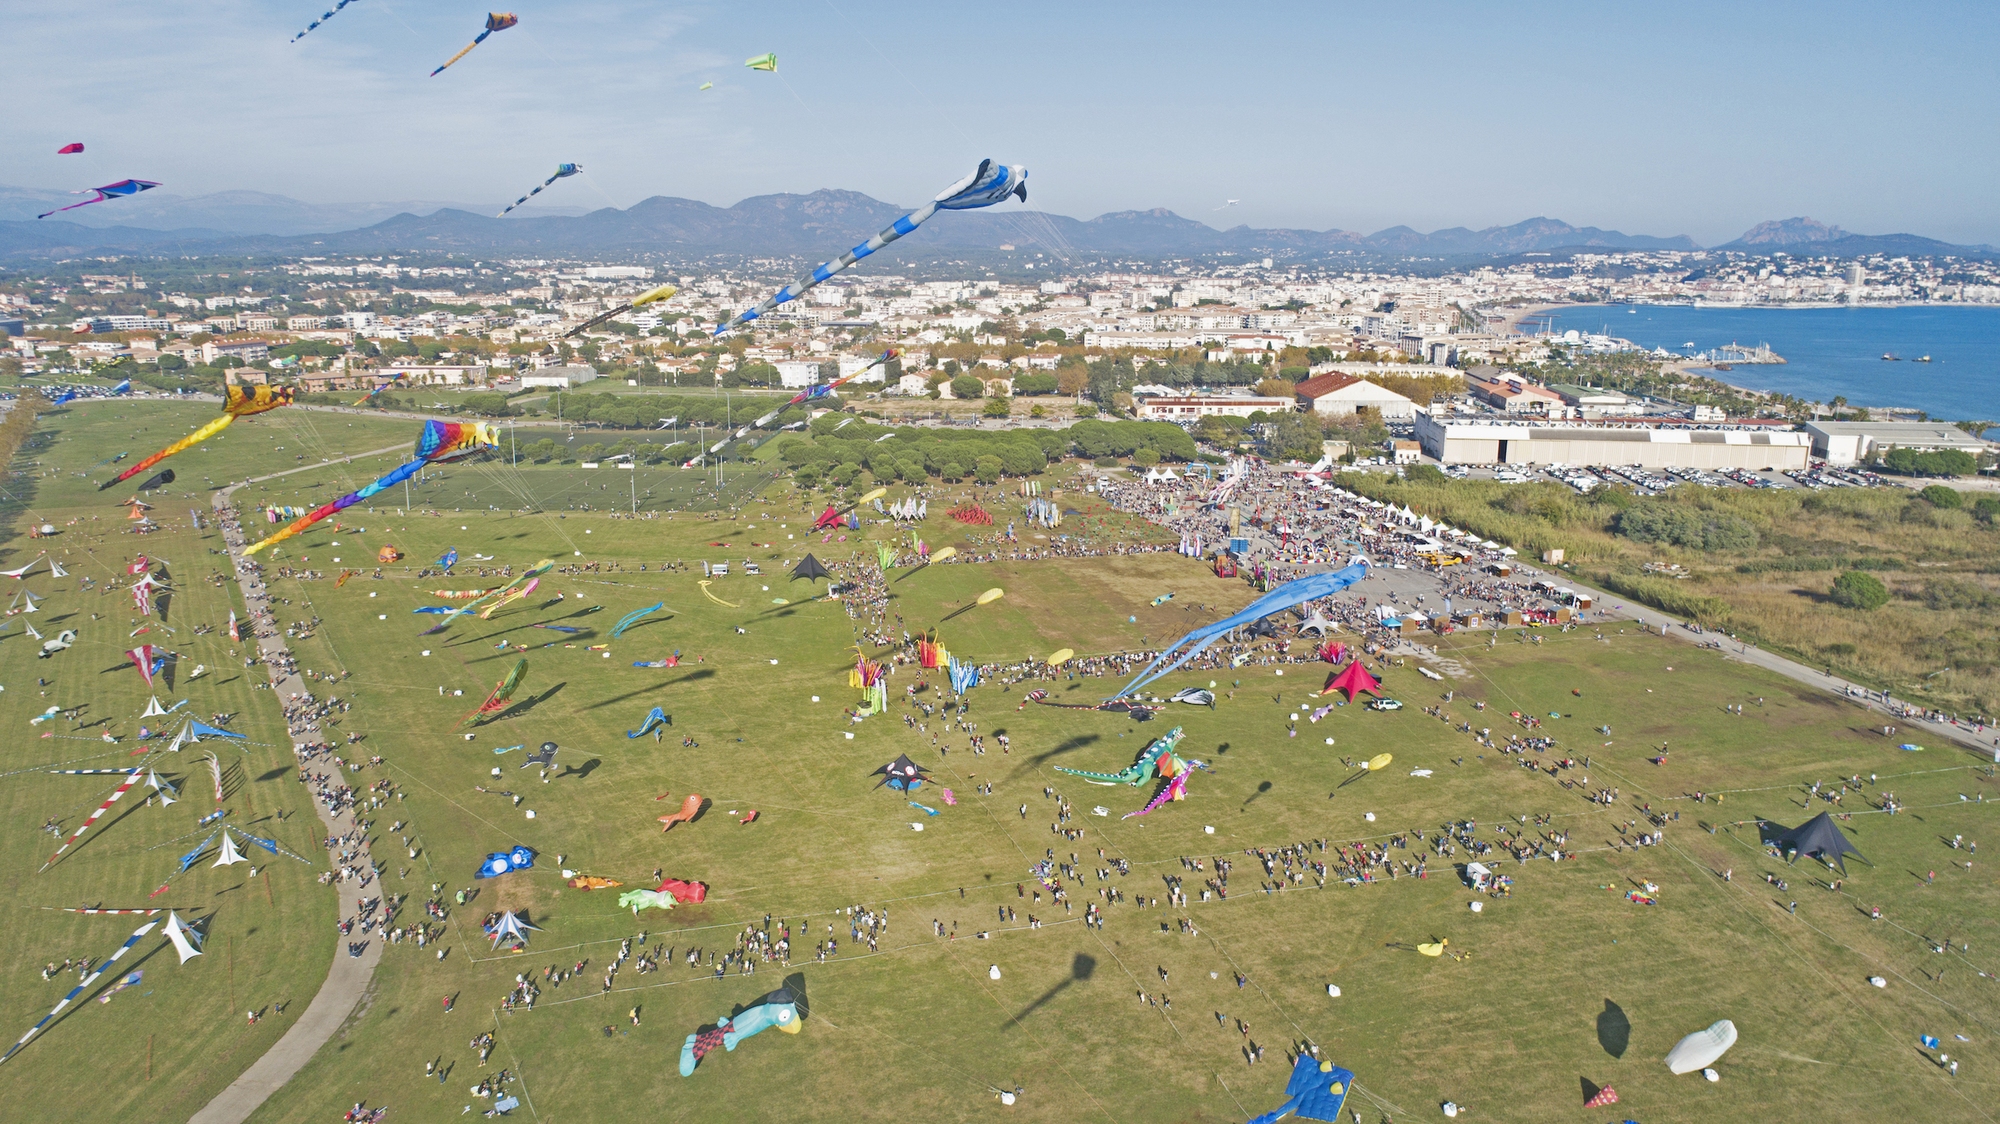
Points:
x=1790 y=232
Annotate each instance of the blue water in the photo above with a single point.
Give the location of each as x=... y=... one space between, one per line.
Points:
x=1832 y=351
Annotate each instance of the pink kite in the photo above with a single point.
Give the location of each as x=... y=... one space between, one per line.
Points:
x=1176 y=790
x=108 y=191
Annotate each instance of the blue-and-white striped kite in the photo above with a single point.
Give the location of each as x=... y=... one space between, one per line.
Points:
x=983 y=188
x=1284 y=597
x=321 y=20
x=562 y=171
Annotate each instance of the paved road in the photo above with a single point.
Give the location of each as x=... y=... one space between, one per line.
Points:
x=348 y=978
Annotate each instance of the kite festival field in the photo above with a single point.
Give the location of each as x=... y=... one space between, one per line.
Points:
x=1565 y=985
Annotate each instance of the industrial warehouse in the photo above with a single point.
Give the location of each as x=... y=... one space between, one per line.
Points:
x=1641 y=442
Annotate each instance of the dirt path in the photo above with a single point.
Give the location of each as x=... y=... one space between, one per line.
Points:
x=348 y=978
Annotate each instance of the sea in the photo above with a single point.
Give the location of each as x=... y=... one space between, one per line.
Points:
x=1829 y=352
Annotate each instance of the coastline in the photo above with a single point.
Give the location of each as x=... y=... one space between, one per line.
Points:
x=1837 y=351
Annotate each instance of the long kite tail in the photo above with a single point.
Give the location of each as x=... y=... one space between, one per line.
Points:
x=659 y=293
x=72 y=206
x=402 y=473
x=530 y=574
x=1173 y=788
x=476 y=41
x=1132 y=775
x=197 y=437
x=81 y=987
x=529 y=195
x=631 y=619
x=798 y=288
x=94 y=817
x=512 y=596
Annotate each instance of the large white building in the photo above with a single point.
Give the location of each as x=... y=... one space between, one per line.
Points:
x=1850 y=442
x=797 y=374
x=1670 y=443
x=561 y=378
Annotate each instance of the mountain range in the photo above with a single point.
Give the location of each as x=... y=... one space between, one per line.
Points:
x=788 y=225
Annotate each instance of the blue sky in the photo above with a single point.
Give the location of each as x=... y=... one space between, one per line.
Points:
x=1692 y=118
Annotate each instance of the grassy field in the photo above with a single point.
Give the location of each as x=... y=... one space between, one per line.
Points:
x=1936 y=642
x=918 y=1030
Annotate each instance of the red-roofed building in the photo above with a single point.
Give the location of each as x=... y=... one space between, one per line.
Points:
x=1516 y=395
x=1340 y=395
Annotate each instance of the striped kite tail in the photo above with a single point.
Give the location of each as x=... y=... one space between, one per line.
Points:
x=197 y=437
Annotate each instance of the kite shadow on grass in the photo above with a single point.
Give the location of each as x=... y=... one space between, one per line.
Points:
x=700 y=673
x=1614 y=1033
x=580 y=772
x=1070 y=746
x=103 y=829
x=1080 y=971
x=109 y=980
x=1262 y=788
x=526 y=705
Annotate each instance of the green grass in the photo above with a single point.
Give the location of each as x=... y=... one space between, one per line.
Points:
x=918 y=1031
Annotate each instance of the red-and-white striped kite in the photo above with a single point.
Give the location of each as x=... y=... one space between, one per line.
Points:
x=94 y=817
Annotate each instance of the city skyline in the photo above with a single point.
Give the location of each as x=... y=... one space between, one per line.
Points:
x=1362 y=121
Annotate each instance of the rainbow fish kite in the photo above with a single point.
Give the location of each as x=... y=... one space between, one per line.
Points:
x=563 y=171
x=495 y=21
x=439 y=442
x=990 y=184
x=109 y=191
x=237 y=402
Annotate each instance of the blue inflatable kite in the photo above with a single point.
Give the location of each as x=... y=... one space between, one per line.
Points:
x=655 y=718
x=1316 y=1091
x=1284 y=597
x=504 y=862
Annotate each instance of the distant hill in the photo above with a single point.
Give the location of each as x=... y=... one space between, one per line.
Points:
x=1806 y=236
x=791 y=225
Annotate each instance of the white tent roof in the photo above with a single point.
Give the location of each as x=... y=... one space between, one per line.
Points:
x=511 y=925
x=187 y=942
x=230 y=855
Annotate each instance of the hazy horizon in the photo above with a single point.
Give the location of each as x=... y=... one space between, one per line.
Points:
x=1701 y=121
